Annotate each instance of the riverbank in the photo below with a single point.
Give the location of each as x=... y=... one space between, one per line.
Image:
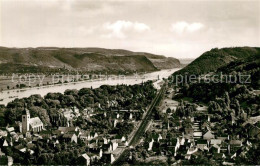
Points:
x=9 y=95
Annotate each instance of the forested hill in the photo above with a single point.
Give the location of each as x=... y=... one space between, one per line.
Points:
x=240 y=68
x=84 y=59
x=214 y=59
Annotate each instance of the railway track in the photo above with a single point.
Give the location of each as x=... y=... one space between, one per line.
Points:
x=141 y=130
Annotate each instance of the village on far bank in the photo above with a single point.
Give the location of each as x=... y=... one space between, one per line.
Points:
x=94 y=126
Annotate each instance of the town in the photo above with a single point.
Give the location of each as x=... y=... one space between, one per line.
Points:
x=116 y=125
x=79 y=127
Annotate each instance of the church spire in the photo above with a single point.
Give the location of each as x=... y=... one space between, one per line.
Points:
x=25 y=110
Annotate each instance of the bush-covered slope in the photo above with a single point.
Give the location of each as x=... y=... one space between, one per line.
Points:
x=216 y=58
x=86 y=59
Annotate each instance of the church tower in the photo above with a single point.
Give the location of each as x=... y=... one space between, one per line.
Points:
x=25 y=120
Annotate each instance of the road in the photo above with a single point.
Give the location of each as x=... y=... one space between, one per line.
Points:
x=141 y=130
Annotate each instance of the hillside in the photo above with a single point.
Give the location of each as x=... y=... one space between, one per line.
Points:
x=248 y=66
x=216 y=58
x=83 y=59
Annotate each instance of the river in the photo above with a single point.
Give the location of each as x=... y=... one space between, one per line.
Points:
x=9 y=95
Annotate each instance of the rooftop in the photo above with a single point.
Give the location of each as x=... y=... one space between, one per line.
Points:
x=35 y=121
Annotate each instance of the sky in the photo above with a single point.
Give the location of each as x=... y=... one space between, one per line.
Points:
x=181 y=29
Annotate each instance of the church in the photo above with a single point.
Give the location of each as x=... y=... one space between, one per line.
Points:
x=30 y=124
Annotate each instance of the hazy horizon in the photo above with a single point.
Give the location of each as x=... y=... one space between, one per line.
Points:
x=183 y=30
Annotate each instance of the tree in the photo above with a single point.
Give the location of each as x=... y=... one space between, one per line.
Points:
x=43 y=159
x=227 y=100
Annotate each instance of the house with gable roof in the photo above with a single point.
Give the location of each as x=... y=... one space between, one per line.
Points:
x=208 y=135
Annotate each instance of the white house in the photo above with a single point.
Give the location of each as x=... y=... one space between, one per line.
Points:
x=114 y=144
x=5 y=143
x=208 y=135
x=87 y=158
x=151 y=145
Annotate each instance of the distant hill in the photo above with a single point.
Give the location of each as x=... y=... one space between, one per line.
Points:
x=84 y=59
x=215 y=59
x=186 y=61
